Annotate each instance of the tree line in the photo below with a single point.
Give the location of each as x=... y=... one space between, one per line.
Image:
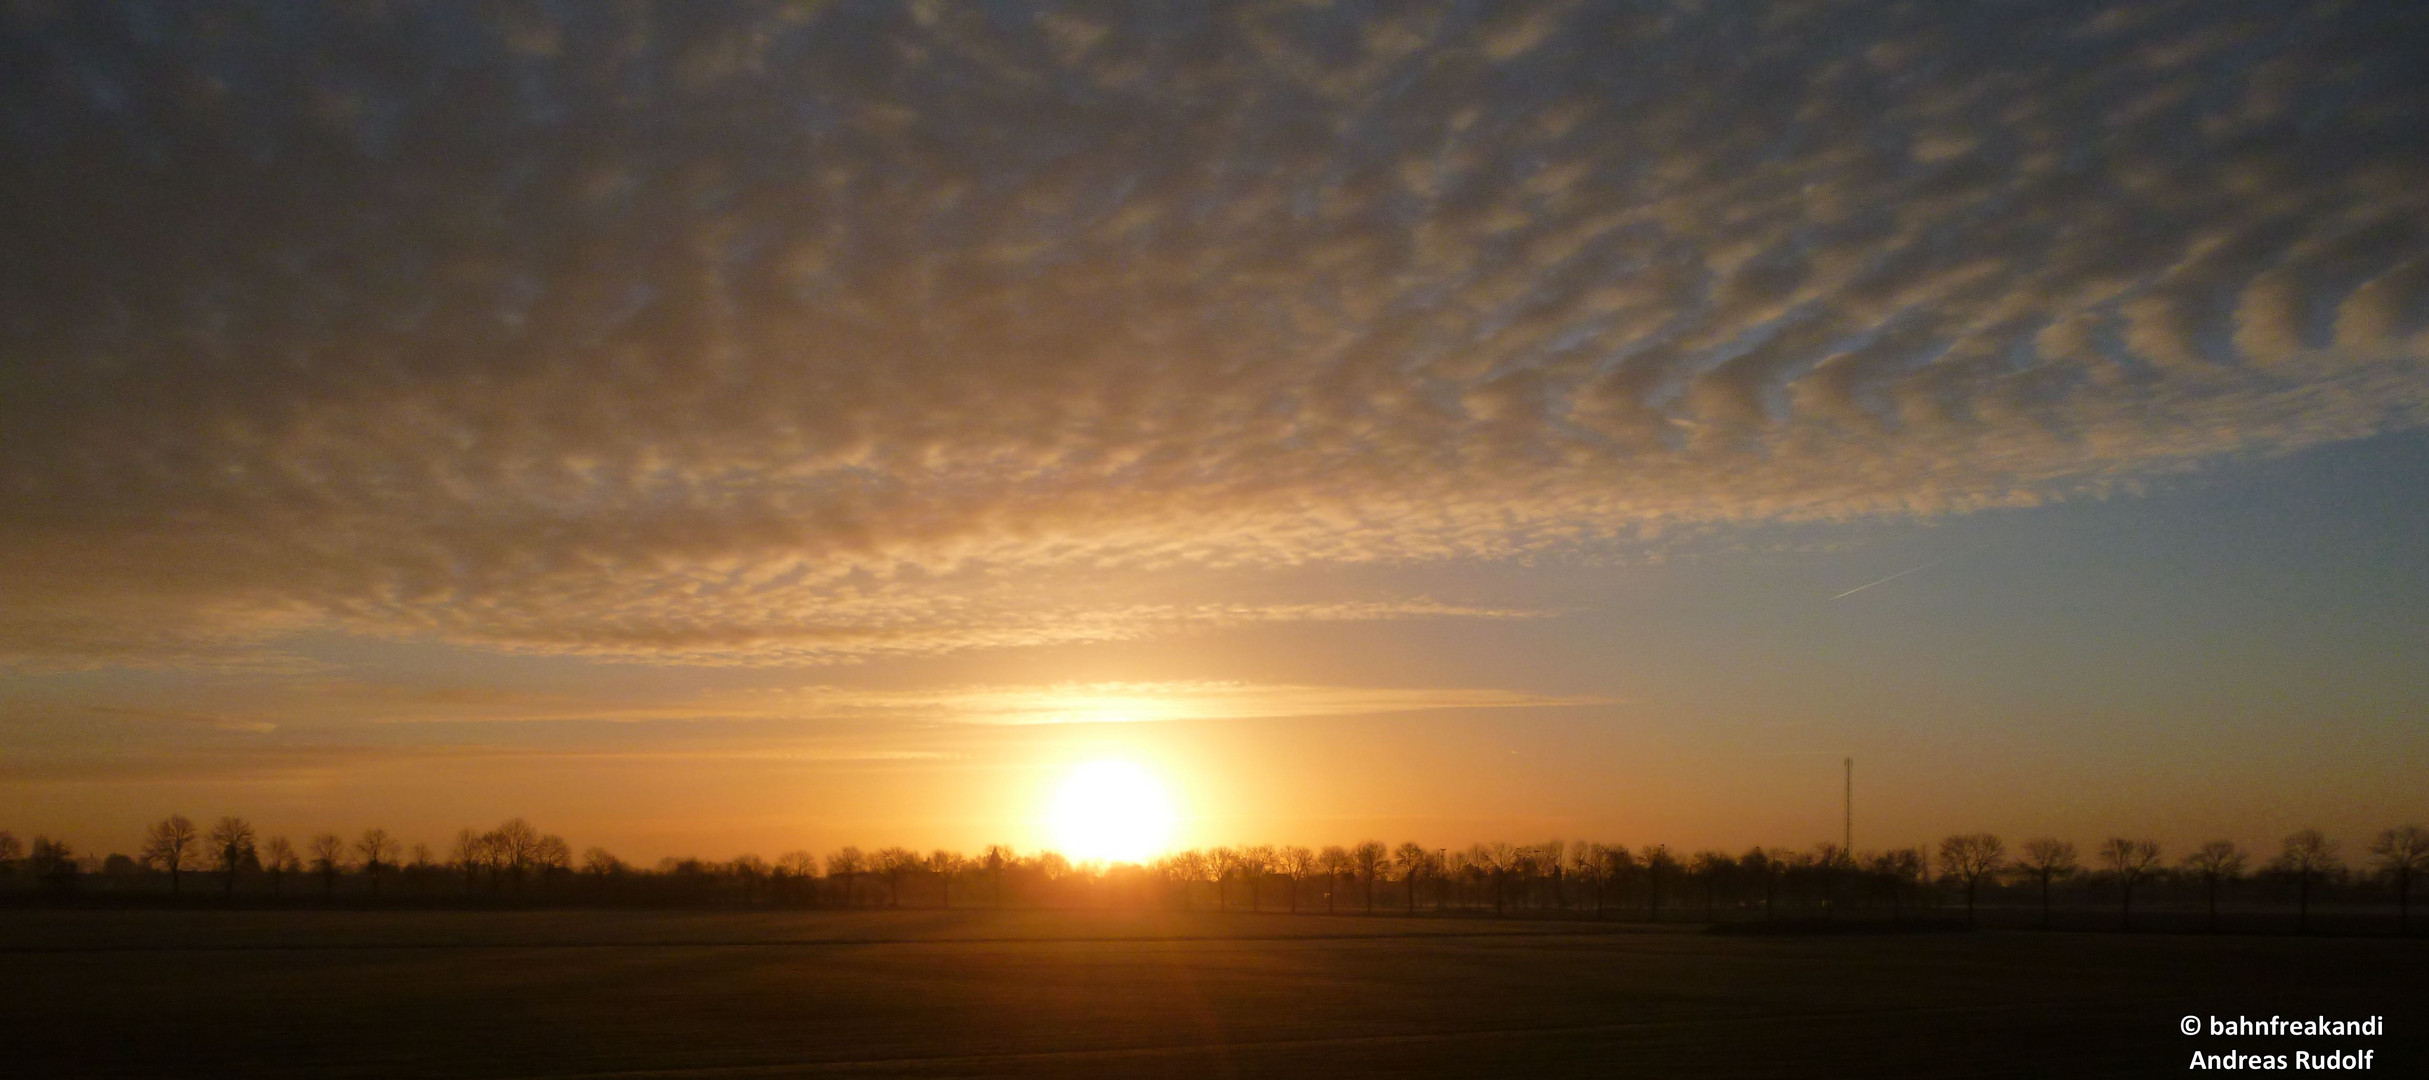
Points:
x=517 y=863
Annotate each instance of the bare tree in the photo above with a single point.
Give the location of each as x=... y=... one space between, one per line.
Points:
x=2045 y=860
x=470 y=854
x=600 y=862
x=1225 y=862
x=794 y=872
x=11 y=850
x=1710 y=867
x=278 y=858
x=847 y=864
x=516 y=845
x=1297 y=863
x=1191 y=869
x=1494 y=861
x=231 y=843
x=2307 y=857
x=1590 y=866
x=552 y=856
x=896 y=862
x=329 y=860
x=165 y=845
x=2402 y=855
x=1658 y=862
x=1370 y=857
x=2129 y=862
x=1826 y=864
x=1900 y=871
x=1764 y=868
x=1413 y=861
x=1969 y=858
x=378 y=850
x=749 y=869
x=51 y=863
x=1256 y=863
x=946 y=865
x=1336 y=862
x=421 y=865
x=1527 y=864
x=1615 y=865
x=2219 y=862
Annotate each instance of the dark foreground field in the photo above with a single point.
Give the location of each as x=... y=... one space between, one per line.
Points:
x=529 y=994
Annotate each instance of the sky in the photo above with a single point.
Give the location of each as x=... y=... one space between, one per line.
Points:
x=707 y=429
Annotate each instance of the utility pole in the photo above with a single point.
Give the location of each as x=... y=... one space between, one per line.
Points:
x=1848 y=841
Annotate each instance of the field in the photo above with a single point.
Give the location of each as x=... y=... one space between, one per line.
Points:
x=930 y=993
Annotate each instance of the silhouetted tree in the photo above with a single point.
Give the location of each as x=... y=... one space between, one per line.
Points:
x=1710 y=867
x=2307 y=857
x=231 y=844
x=329 y=860
x=1528 y=863
x=748 y=870
x=1613 y=865
x=1764 y=868
x=946 y=865
x=278 y=859
x=51 y=863
x=378 y=850
x=470 y=855
x=1969 y=858
x=847 y=864
x=1225 y=862
x=2218 y=862
x=600 y=863
x=1658 y=863
x=2129 y=862
x=1297 y=863
x=515 y=844
x=1412 y=859
x=2402 y=855
x=1370 y=857
x=2044 y=860
x=1899 y=870
x=1256 y=863
x=553 y=858
x=896 y=862
x=1494 y=861
x=1336 y=862
x=795 y=871
x=1191 y=868
x=11 y=850
x=1050 y=867
x=1828 y=863
x=166 y=844
x=421 y=864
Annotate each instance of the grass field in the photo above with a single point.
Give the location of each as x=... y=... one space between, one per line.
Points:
x=927 y=993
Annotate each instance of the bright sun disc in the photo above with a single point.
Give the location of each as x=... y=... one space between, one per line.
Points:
x=1112 y=811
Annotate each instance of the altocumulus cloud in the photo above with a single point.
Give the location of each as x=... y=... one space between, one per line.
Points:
x=727 y=332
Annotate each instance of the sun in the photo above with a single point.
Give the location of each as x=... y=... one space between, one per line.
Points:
x=1111 y=811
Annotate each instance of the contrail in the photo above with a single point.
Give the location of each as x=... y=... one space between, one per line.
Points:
x=1892 y=577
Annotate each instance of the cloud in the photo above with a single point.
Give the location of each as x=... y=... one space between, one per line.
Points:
x=756 y=333
x=1138 y=702
x=284 y=727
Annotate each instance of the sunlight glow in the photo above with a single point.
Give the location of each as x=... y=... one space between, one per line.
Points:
x=1113 y=811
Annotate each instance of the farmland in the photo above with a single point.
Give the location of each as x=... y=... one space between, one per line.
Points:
x=935 y=993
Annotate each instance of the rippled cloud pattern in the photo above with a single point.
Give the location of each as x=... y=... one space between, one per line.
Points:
x=808 y=331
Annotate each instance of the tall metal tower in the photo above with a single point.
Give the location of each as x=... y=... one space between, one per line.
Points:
x=1849 y=840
